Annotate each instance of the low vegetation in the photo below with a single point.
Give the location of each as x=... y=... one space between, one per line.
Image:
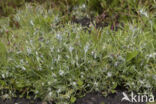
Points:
x=45 y=55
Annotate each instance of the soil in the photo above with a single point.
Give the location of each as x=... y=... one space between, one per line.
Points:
x=97 y=98
x=20 y=101
x=86 y=22
x=83 y=21
x=90 y=98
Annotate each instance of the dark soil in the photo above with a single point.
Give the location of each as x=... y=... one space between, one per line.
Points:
x=91 y=98
x=97 y=98
x=23 y=101
x=83 y=21
x=86 y=22
x=20 y=101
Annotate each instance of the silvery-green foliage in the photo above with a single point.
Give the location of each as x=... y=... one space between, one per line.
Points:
x=54 y=61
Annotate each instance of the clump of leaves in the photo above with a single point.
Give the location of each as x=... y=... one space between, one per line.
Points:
x=61 y=62
x=9 y=6
x=3 y=54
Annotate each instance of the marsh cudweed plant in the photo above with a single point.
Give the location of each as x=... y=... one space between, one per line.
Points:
x=47 y=67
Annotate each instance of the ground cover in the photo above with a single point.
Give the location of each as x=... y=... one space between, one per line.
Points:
x=60 y=58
